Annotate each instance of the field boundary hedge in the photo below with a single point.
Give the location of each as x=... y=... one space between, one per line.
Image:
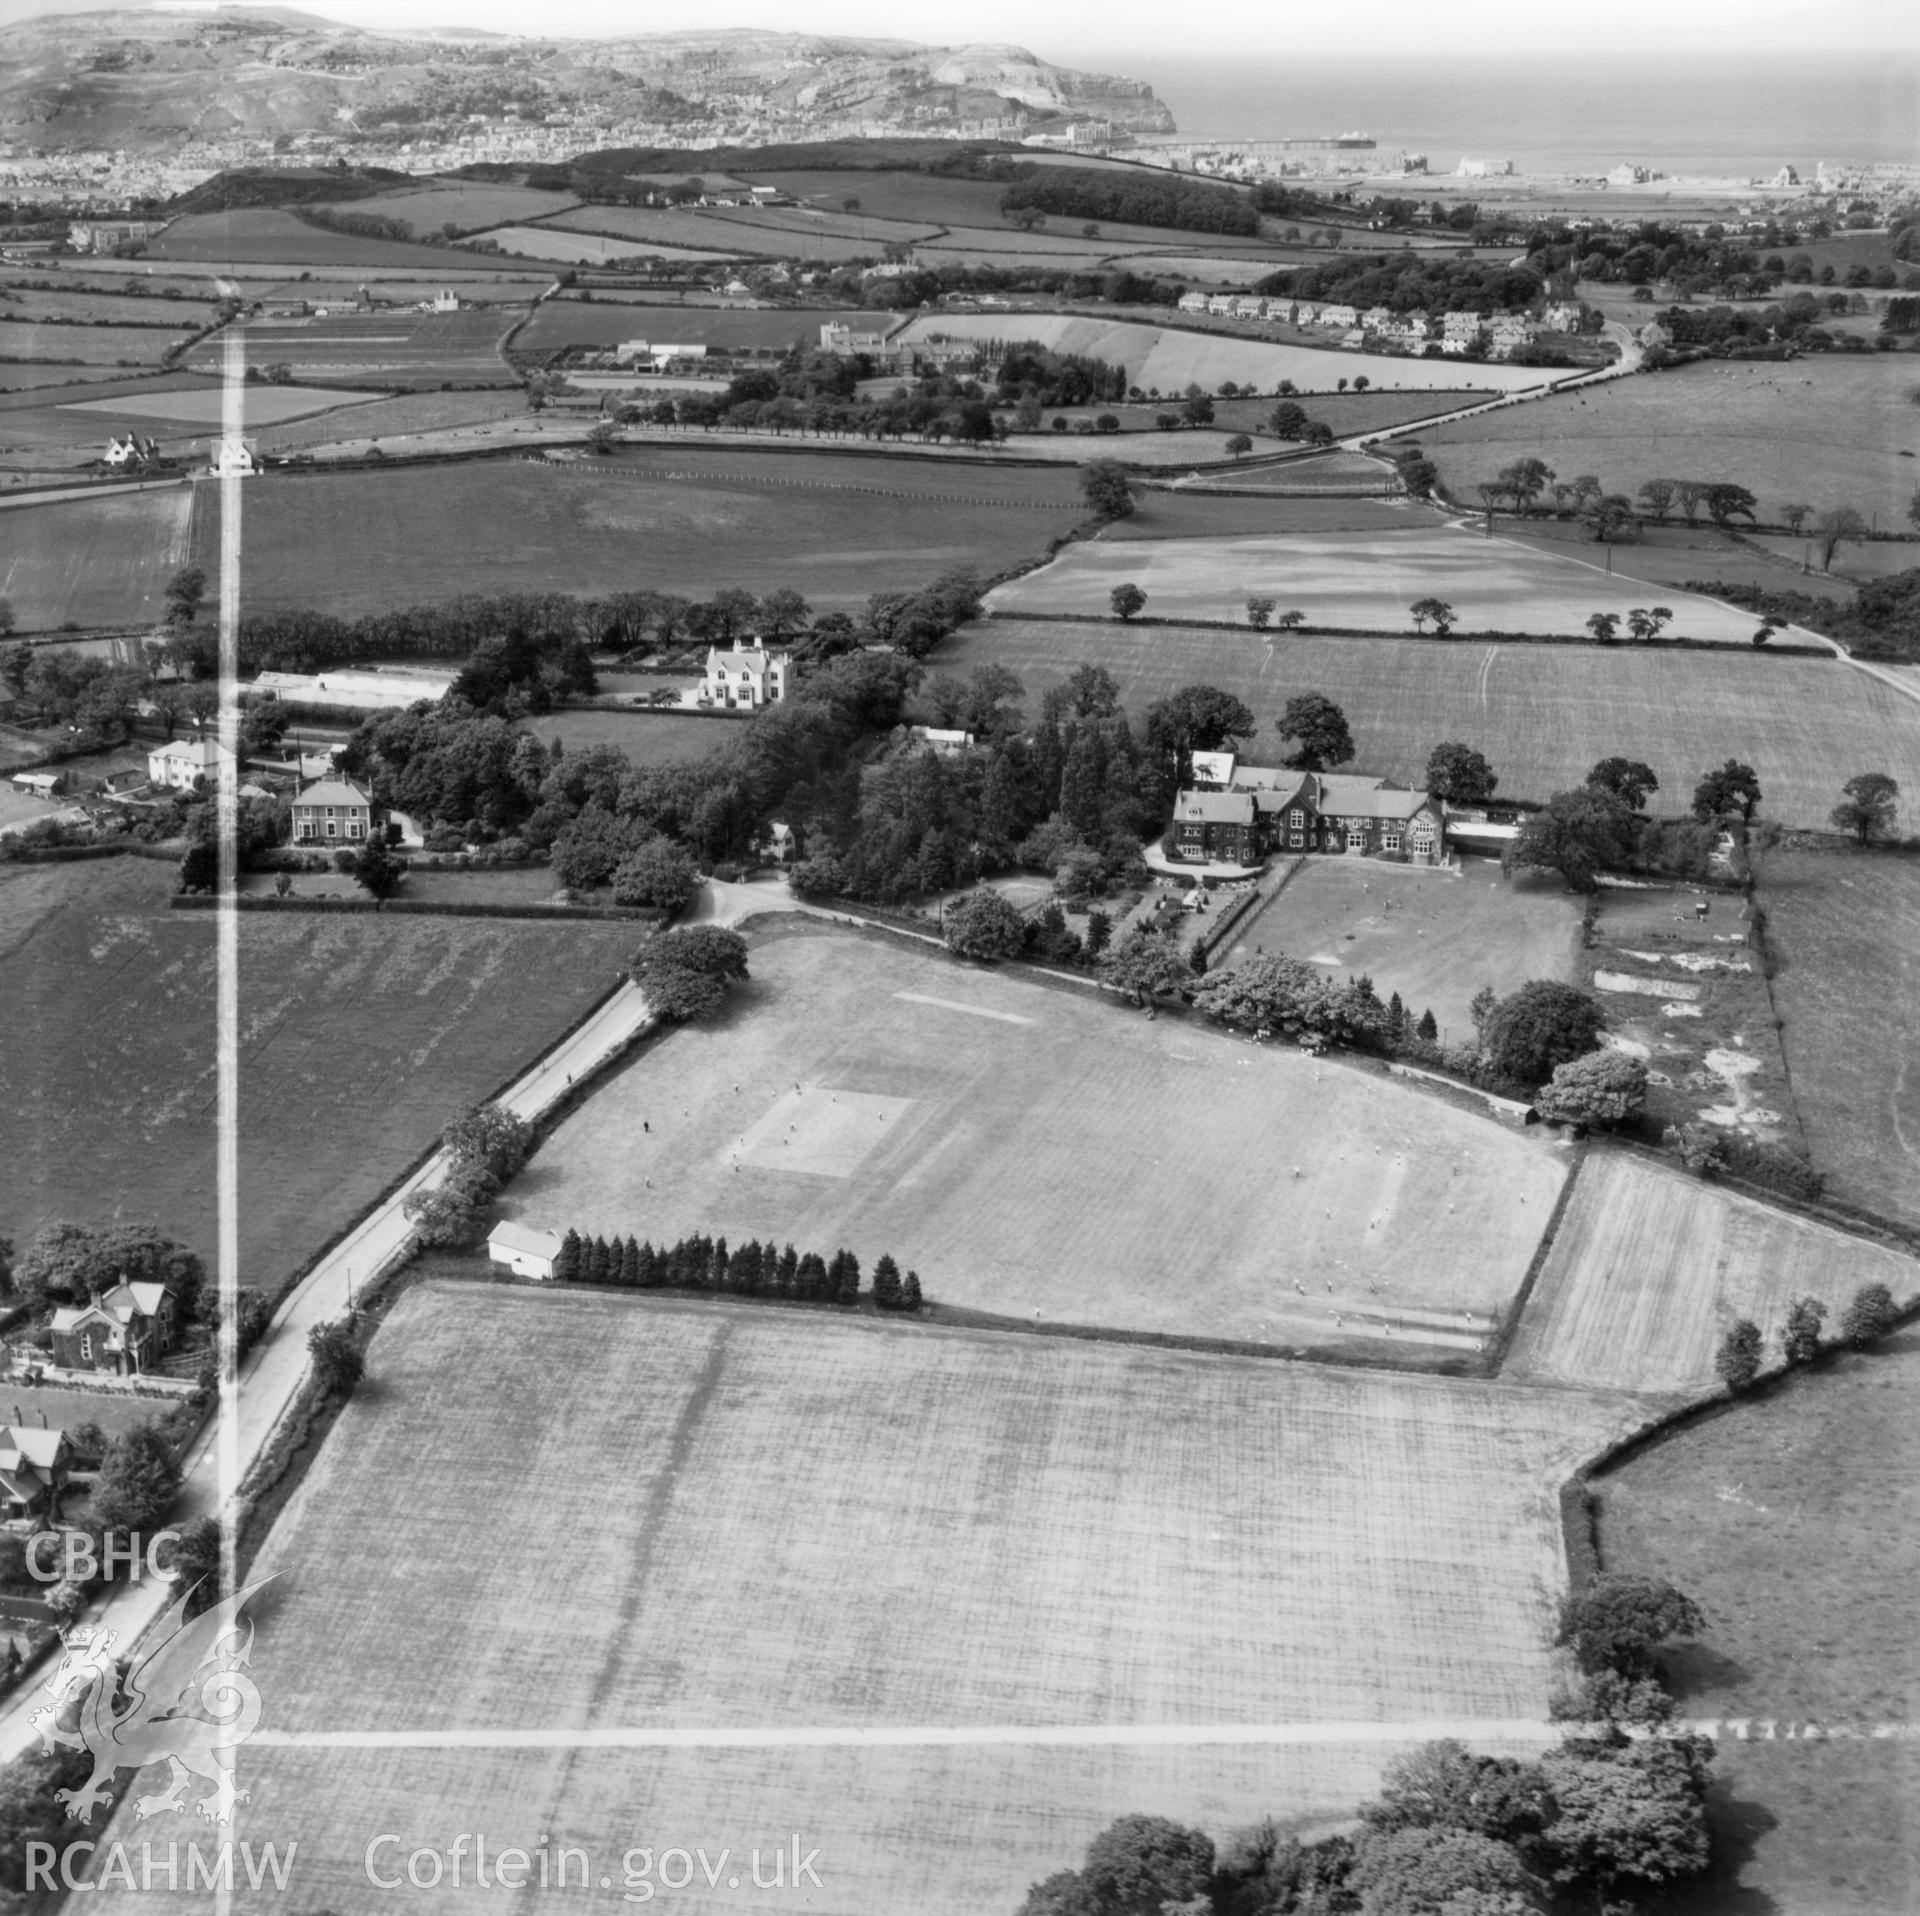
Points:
x=1311 y=630
x=429 y=908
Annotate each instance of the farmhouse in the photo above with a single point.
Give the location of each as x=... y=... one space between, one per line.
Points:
x=33 y=1472
x=126 y=1330
x=524 y=1251
x=332 y=812
x=131 y=451
x=745 y=675
x=234 y=460
x=185 y=765
x=1258 y=809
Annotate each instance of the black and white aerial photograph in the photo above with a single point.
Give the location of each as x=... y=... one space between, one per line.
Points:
x=959 y=962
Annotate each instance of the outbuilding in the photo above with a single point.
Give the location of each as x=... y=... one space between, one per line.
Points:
x=524 y=1251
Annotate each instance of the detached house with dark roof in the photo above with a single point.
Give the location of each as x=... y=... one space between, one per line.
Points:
x=126 y=1330
x=33 y=1472
x=332 y=812
x=1254 y=810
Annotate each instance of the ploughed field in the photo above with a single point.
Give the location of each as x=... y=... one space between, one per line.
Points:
x=1044 y=1571
x=836 y=530
x=1542 y=714
x=360 y=1039
x=396 y=348
x=1359 y=583
x=94 y=561
x=1045 y=1154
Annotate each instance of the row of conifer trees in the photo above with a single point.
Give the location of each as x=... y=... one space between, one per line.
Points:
x=753 y=1270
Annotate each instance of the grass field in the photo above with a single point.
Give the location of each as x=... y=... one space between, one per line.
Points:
x=834 y=529
x=95 y=561
x=1542 y=714
x=205 y=406
x=1356 y=582
x=590 y=249
x=89 y=345
x=1650 y=1268
x=465 y=204
x=360 y=1039
x=946 y=1113
x=1668 y=556
x=822 y=1526
x=265 y=236
x=1827 y=431
x=1845 y=932
x=390 y=349
x=402 y=415
x=1167 y=360
x=1434 y=937
x=88 y=307
x=606 y=322
x=645 y=740
x=1795 y=1523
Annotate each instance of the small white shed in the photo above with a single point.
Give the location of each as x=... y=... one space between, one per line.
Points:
x=525 y=1252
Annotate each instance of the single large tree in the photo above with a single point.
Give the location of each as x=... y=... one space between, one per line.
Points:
x=1318 y=730
x=1834 y=528
x=1140 y=1864
x=1446 y=1785
x=1867 y=807
x=1578 y=834
x=1543 y=1025
x=1104 y=486
x=1438 y=610
x=984 y=924
x=139 y=1479
x=1197 y=718
x=1127 y=600
x=1620 y=1621
x=1733 y=787
x=1601 y=1087
x=1459 y=774
x=1631 y=1818
x=686 y=974
x=1145 y=962
x=1627 y=779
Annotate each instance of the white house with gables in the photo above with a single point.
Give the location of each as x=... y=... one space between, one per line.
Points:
x=185 y=765
x=745 y=677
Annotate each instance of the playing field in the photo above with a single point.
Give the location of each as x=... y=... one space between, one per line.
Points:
x=836 y=530
x=1043 y=1571
x=1542 y=714
x=1165 y=360
x=1845 y=931
x=1650 y=1268
x=1359 y=583
x=1795 y=1523
x=385 y=348
x=360 y=1039
x=1827 y=430
x=1045 y=1154
x=94 y=561
x=1434 y=937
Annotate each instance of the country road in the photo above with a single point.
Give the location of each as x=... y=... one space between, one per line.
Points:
x=273 y=1374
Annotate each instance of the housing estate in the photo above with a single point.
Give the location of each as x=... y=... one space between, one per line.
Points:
x=126 y=1330
x=33 y=1472
x=745 y=676
x=1238 y=814
x=332 y=811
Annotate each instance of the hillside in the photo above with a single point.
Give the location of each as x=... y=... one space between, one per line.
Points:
x=144 y=81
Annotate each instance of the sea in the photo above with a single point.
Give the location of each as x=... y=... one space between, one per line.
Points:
x=1733 y=115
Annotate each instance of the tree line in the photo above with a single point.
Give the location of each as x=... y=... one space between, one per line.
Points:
x=752 y=1269
x=1133 y=199
x=1406 y=282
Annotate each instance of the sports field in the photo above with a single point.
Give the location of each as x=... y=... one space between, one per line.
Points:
x=360 y=1039
x=384 y=348
x=1826 y=430
x=94 y=561
x=834 y=529
x=1542 y=714
x=1046 y=1154
x=1795 y=1523
x=1650 y=1268
x=1434 y=937
x=1359 y=583
x=816 y=1528
x=1845 y=933
x=1164 y=359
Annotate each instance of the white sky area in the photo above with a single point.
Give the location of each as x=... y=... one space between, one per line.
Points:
x=1101 y=35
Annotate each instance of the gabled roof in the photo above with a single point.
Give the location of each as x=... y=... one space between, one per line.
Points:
x=1214 y=808
x=1344 y=795
x=524 y=1239
x=197 y=751
x=331 y=791
x=21 y=1444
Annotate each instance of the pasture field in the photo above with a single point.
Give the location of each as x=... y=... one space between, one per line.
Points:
x=89 y=345
x=944 y=1113
x=1827 y=430
x=834 y=529
x=1053 y=1541
x=1844 y=929
x=1434 y=937
x=1650 y=1267
x=1542 y=714
x=1869 y=559
x=572 y=322
x=22 y=378
x=804 y=223
x=393 y=418
x=389 y=349
x=777 y=232
x=565 y=245
x=1354 y=581
x=646 y=740
x=204 y=407
x=1794 y=1521
x=1668 y=556
x=94 y=561
x=265 y=236
x=921 y=198
x=360 y=1039
x=465 y=204
x=1345 y=413
x=1354 y=473
x=1166 y=360
x=32 y=421
x=83 y=306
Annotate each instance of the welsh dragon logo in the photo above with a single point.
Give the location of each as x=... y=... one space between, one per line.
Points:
x=149 y=1715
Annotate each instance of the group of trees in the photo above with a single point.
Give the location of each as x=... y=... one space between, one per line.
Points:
x=1601 y=1821
x=485 y=1148
x=750 y=1270
x=1135 y=197
x=66 y=1263
x=686 y=974
x=1407 y=281
x=1270 y=993
x=1870 y=1314
x=1881 y=622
